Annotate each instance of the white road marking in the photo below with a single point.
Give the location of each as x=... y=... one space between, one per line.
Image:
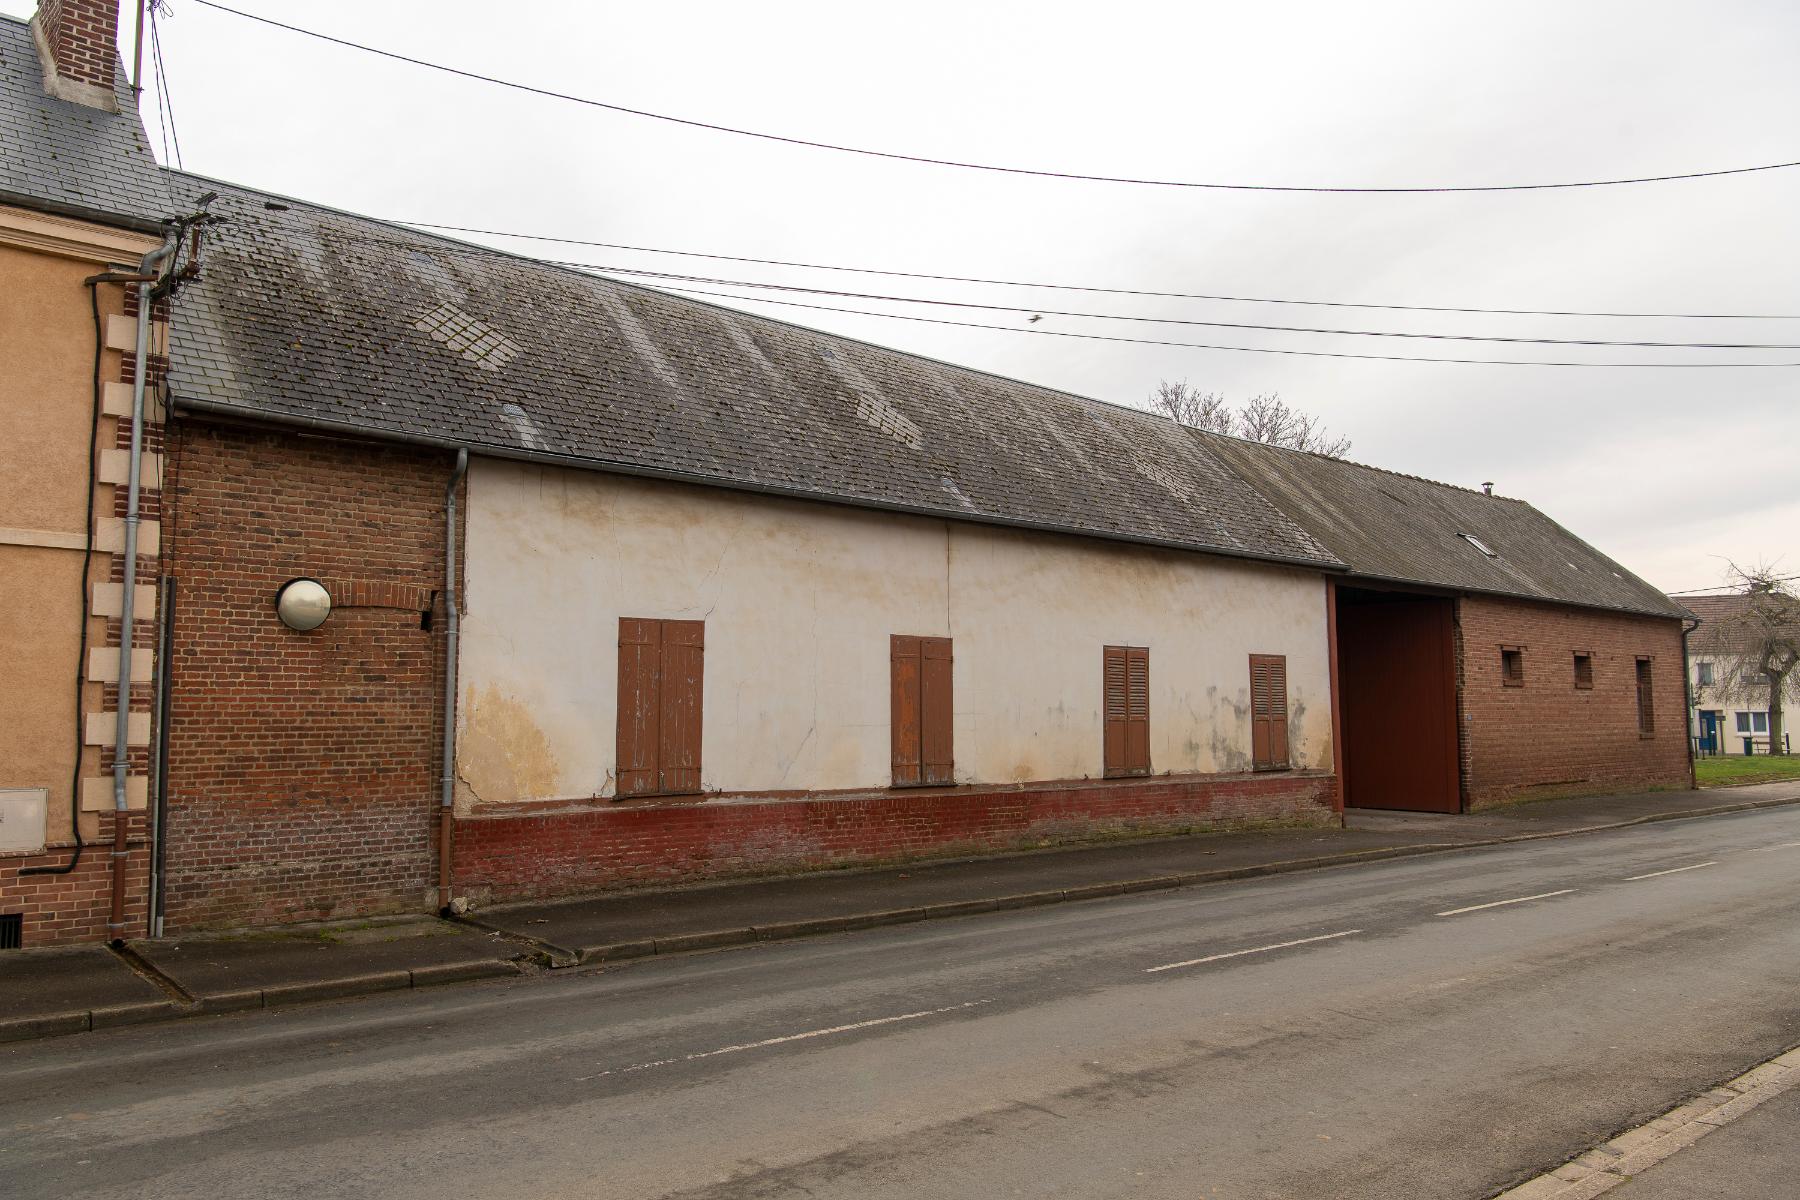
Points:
x=1497 y=903
x=1194 y=962
x=1672 y=871
x=791 y=1037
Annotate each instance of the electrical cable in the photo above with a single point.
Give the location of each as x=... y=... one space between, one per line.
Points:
x=971 y=166
x=165 y=103
x=1102 y=337
x=81 y=639
x=1111 y=291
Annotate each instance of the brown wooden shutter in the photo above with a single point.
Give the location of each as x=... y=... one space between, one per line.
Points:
x=936 y=711
x=640 y=704
x=904 y=711
x=1268 y=711
x=661 y=686
x=683 y=675
x=1126 y=710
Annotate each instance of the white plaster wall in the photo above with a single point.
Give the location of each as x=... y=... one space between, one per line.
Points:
x=799 y=601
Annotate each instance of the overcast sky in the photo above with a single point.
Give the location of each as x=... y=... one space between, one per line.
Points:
x=1670 y=471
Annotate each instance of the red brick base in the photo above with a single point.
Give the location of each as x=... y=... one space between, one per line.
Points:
x=76 y=907
x=517 y=856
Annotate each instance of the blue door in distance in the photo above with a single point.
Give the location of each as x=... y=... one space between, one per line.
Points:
x=1709 y=731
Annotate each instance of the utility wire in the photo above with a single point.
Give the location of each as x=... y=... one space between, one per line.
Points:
x=970 y=166
x=1102 y=337
x=165 y=104
x=1109 y=291
x=668 y=277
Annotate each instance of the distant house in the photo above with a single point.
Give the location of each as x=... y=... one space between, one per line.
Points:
x=1729 y=690
x=602 y=587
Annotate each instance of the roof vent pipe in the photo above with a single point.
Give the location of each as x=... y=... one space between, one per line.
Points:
x=1487 y=489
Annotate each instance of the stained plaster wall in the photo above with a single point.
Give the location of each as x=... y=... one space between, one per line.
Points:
x=799 y=600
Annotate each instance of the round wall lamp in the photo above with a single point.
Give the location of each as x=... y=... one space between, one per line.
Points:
x=303 y=604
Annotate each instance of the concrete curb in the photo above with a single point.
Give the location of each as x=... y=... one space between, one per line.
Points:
x=785 y=931
x=209 y=1004
x=688 y=943
x=1636 y=1150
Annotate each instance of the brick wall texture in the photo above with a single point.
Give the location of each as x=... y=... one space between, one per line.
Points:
x=1548 y=737
x=76 y=907
x=304 y=767
x=525 y=856
x=84 y=37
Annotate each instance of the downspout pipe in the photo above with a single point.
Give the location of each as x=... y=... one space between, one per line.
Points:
x=452 y=621
x=151 y=269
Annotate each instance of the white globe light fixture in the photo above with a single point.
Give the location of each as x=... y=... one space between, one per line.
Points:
x=303 y=604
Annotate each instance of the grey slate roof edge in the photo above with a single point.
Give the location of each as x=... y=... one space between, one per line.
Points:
x=57 y=208
x=351 y=429
x=1675 y=611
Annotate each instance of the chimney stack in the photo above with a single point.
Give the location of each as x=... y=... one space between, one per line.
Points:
x=78 y=44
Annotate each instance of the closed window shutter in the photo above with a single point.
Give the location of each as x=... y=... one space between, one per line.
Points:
x=1268 y=711
x=640 y=705
x=904 y=707
x=936 y=711
x=683 y=674
x=1137 y=709
x=1125 y=707
x=661 y=688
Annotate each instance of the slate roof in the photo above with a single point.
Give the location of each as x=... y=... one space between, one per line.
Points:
x=1400 y=528
x=305 y=314
x=68 y=158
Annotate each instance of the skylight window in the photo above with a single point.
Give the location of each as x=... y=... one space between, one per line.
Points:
x=1478 y=544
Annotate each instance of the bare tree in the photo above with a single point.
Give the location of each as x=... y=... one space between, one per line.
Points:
x=1761 y=646
x=1264 y=418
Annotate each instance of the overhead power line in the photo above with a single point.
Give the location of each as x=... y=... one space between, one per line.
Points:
x=1102 y=337
x=672 y=278
x=866 y=152
x=1107 y=291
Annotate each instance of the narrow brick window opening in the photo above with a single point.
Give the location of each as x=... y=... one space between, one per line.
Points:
x=1584 y=670
x=1512 y=666
x=12 y=931
x=1646 y=699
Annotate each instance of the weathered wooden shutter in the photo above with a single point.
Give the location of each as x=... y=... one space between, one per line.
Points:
x=936 y=712
x=640 y=705
x=683 y=678
x=1268 y=711
x=905 y=707
x=1126 y=710
x=661 y=686
x=1646 y=698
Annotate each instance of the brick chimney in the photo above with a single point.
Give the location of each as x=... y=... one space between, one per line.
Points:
x=78 y=45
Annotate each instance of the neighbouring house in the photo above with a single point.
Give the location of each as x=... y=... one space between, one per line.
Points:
x=1729 y=688
x=81 y=203
x=631 y=589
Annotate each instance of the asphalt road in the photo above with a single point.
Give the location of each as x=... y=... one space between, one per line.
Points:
x=1144 y=1046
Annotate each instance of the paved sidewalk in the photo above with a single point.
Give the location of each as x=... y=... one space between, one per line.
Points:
x=52 y=991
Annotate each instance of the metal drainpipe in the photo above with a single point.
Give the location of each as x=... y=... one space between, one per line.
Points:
x=152 y=266
x=447 y=802
x=1689 y=718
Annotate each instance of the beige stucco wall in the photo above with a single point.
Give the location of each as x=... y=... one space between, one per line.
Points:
x=799 y=601
x=46 y=410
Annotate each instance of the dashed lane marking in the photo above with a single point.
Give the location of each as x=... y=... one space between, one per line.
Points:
x=1498 y=903
x=791 y=1037
x=1672 y=871
x=1194 y=962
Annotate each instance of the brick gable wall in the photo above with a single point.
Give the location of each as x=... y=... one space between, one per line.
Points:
x=1549 y=737
x=304 y=767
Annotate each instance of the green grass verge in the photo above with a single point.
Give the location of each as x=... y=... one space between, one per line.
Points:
x=1726 y=770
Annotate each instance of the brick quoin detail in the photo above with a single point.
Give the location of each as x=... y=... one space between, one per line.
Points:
x=519 y=857
x=1550 y=738
x=304 y=767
